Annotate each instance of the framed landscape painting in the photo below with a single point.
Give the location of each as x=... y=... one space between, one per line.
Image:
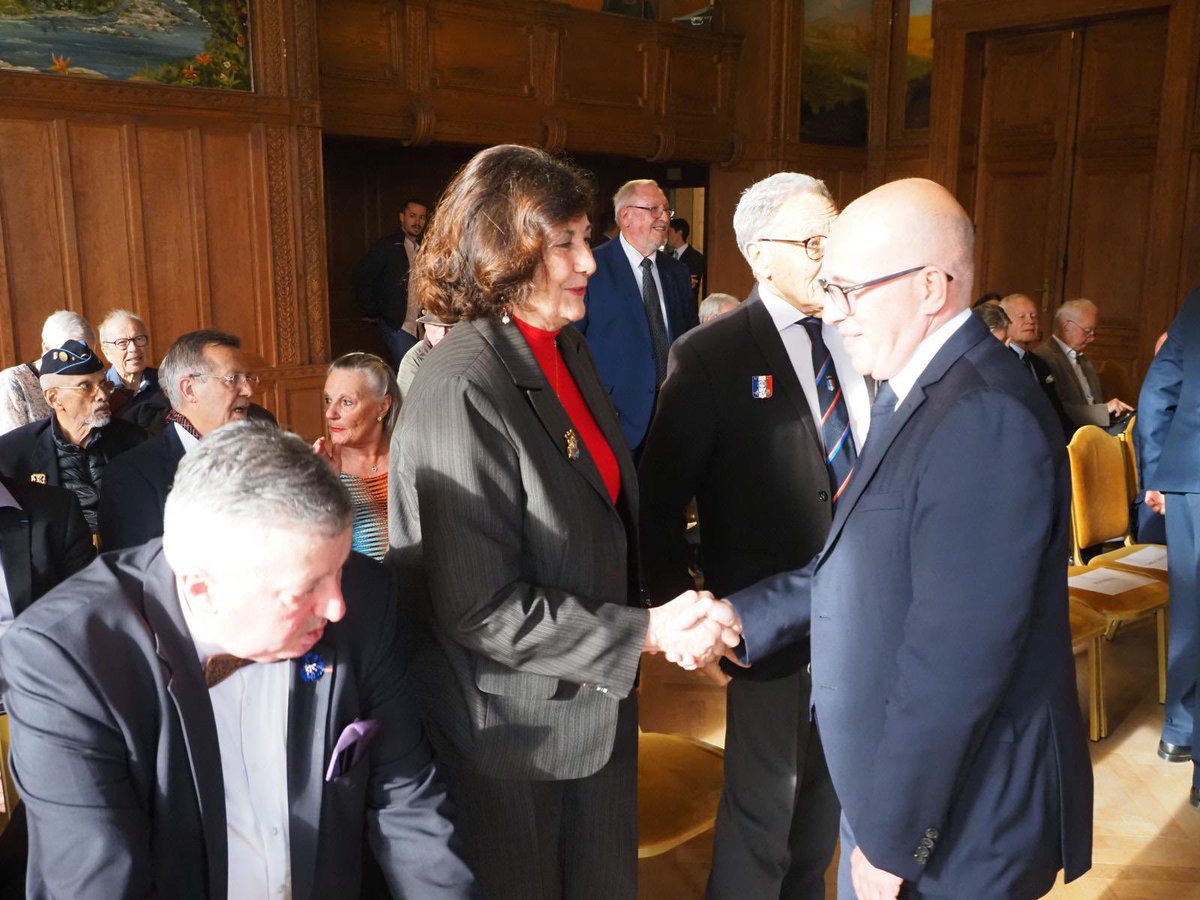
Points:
x=835 y=71
x=189 y=43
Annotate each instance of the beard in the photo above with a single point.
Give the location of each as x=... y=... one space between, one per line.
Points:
x=99 y=420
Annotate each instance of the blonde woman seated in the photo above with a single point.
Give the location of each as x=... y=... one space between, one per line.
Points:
x=362 y=402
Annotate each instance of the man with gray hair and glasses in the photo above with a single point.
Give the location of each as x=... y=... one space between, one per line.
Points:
x=759 y=420
x=204 y=376
x=126 y=345
x=1075 y=377
x=225 y=712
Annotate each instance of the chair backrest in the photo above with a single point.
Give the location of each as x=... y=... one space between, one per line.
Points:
x=8 y=790
x=1099 y=495
x=1132 y=479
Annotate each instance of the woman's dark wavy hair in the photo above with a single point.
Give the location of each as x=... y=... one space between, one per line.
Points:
x=485 y=245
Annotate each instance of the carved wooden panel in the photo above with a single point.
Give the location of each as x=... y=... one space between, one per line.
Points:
x=357 y=39
x=1026 y=80
x=1015 y=224
x=694 y=80
x=1120 y=98
x=481 y=51
x=618 y=75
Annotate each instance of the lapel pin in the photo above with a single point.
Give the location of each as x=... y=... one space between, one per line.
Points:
x=762 y=386
x=572 y=443
x=312 y=668
x=38 y=477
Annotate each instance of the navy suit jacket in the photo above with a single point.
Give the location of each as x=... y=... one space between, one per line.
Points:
x=943 y=678
x=619 y=335
x=1169 y=408
x=135 y=488
x=115 y=748
x=43 y=542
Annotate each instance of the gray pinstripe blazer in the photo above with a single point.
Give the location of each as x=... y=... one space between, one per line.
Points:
x=525 y=570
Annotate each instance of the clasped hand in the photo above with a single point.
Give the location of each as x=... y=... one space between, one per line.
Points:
x=693 y=630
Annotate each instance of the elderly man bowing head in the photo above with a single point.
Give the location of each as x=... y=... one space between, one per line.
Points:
x=225 y=711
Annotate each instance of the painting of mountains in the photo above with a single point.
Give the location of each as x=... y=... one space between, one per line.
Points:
x=188 y=43
x=835 y=71
x=919 y=64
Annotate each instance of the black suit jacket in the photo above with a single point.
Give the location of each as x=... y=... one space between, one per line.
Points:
x=381 y=280
x=696 y=266
x=755 y=467
x=115 y=748
x=29 y=450
x=44 y=542
x=1045 y=378
x=135 y=488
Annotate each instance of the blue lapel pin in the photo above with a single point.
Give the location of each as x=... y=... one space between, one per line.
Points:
x=312 y=668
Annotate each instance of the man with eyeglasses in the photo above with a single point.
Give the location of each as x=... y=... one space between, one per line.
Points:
x=639 y=300
x=73 y=447
x=943 y=679
x=760 y=419
x=126 y=345
x=204 y=376
x=1075 y=377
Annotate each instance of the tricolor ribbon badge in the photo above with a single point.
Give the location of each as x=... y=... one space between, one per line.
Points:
x=762 y=386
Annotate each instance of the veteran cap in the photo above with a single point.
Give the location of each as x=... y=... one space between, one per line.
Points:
x=432 y=318
x=72 y=358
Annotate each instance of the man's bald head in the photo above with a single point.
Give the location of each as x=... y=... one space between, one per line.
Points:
x=910 y=224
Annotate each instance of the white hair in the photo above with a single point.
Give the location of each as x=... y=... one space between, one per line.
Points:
x=713 y=305
x=624 y=195
x=1073 y=310
x=760 y=202
x=65 y=325
x=116 y=317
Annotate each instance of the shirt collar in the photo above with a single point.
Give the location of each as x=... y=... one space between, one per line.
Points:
x=113 y=377
x=190 y=441
x=634 y=255
x=1020 y=351
x=1072 y=355
x=902 y=382
x=782 y=313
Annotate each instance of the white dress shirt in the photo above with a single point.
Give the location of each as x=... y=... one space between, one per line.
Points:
x=799 y=350
x=680 y=250
x=251 y=711
x=1073 y=356
x=6 y=607
x=902 y=382
x=190 y=441
x=635 y=262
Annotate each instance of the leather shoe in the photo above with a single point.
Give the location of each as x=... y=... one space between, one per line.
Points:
x=1174 y=752
x=1195 y=798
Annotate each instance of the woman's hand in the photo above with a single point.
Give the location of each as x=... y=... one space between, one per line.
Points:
x=330 y=452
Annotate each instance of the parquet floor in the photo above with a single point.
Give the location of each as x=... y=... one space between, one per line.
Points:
x=1146 y=837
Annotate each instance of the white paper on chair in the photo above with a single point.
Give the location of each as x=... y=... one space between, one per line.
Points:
x=1147 y=558
x=1108 y=581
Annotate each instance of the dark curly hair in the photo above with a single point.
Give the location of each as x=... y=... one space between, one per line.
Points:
x=484 y=248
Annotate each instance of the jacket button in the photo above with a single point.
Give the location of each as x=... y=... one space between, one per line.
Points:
x=822 y=496
x=931 y=833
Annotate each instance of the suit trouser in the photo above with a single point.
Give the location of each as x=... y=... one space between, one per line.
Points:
x=1183 y=660
x=777 y=824
x=574 y=839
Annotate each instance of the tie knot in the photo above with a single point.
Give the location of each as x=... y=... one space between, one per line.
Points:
x=646 y=263
x=221 y=666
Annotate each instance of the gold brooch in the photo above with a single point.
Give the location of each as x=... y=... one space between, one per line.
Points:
x=38 y=477
x=572 y=443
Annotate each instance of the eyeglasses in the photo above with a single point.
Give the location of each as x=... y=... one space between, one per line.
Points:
x=138 y=340
x=655 y=211
x=234 y=380
x=814 y=246
x=839 y=295
x=1090 y=332
x=92 y=389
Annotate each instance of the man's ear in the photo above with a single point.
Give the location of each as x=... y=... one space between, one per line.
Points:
x=935 y=291
x=194 y=588
x=760 y=263
x=187 y=389
x=51 y=395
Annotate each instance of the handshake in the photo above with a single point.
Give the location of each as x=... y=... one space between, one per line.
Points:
x=694 y=630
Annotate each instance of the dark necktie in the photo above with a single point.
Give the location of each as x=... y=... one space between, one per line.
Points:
x=881 y=410
x=1027 y=363
x=840 y=453
x=658 y=330
x=220 y=667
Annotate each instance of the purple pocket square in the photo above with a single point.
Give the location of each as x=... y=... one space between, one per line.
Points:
x=350 y=747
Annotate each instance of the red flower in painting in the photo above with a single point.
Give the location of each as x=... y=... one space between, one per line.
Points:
x=189 y=73
x=241 y=40
x=203 y=58
x=61 y=64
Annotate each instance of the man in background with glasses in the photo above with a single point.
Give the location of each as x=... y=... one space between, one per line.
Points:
x=943 y=679
x=73 y=447
x=639 y=300
x=1075 y=377
x=126 y=344
x=206 y=379
x=760 y=419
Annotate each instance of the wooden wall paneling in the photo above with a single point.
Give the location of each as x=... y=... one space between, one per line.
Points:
x=135 y=237
x=357 y=40
x=8 y=338
x=33 y=229
x=1189 y=268
x=295 y=396
x=68 y=234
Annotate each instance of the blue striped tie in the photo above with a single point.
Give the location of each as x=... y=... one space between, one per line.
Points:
x=840 y=453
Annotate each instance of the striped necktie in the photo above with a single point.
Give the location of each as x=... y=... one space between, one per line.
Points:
x=840 y=453
x=659 y=342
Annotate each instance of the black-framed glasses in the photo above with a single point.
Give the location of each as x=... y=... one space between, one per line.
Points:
x=839 y=295
x=122 y=344
x=814 y=246
x=1090 y=332
x=233 y=380
x=655 y=211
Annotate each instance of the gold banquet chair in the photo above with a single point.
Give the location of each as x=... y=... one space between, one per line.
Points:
x=8 y=789
x=1088 y=628
x=679 y=787
x=1100 y=513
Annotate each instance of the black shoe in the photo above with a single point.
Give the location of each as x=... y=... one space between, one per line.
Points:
x=1174 y=752
x=1195 y=798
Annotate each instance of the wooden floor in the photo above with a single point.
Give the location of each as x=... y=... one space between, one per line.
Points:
x=1146 y=838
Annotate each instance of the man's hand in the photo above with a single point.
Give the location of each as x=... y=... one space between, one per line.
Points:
x=693 y=629
x=871 y=883
x=1118 y=407
x=713 y=671
x=1157 y=501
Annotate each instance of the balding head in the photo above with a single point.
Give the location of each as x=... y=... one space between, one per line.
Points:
x=912 y=224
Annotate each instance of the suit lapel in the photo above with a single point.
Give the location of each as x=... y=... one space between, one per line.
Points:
x=766 y=336
x=523 y=368
x=44 y=459
x=877 y=443
x=308 y=737
x=185 y=684
x=16 y=548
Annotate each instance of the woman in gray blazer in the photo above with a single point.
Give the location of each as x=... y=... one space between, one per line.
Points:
x=512 y=508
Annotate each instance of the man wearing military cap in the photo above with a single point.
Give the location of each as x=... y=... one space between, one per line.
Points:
x=72 y=447
x=436 y=328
